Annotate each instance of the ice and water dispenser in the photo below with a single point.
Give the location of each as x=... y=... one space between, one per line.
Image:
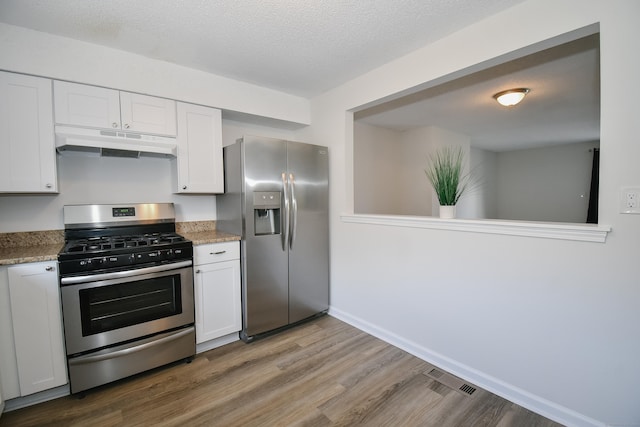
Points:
x=266 y=212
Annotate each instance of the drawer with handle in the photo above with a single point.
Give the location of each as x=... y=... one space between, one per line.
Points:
x=216 y=252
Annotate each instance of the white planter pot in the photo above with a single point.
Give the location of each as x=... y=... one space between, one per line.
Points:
x=447 y=211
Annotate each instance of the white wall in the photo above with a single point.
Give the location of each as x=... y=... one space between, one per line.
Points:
x=232 y=130
x=376 y=172
x=414 y=191
x=545 y=184
x=389 y=168
x=482 y=197
x=551 y=324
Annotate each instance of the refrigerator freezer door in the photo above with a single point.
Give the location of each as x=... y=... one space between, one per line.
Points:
x=266 y=292
x=308 y=173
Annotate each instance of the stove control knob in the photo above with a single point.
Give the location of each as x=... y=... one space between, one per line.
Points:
x=84 y=264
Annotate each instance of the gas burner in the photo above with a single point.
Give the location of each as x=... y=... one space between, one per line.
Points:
x=105 y=244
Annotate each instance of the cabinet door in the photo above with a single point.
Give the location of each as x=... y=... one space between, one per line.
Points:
x=9 y=383
x=27 y=145
x=148 y=114
x=199 y=159
x=86 y=106
x=37 y=326
x=217 y=294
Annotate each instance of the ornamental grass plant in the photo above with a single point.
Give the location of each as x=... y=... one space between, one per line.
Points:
x=445 y=172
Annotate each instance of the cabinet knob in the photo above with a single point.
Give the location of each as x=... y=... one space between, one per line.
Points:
x=114 y=125
x=198 y=271
x=49 y=268
x=126 y=126
x=184 y=187
x=48 y=185
x=217 y=253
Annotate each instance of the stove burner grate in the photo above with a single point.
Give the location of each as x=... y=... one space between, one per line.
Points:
x=97 y=244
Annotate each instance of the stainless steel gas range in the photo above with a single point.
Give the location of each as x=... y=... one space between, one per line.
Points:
x=126 y=281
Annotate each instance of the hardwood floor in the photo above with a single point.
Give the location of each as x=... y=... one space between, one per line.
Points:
x=323 y=373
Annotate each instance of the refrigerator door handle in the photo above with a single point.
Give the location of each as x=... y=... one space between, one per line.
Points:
x=285 y=219
x=294 y=211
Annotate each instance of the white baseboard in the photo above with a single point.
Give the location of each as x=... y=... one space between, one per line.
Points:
x=507 y=391
x=218 y=342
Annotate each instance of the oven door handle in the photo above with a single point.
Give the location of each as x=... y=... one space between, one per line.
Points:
x=127 y=273
x=119 y=353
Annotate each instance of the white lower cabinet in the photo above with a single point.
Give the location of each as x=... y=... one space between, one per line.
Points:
x=217 y=290
x=8 y=366
x=36 y=320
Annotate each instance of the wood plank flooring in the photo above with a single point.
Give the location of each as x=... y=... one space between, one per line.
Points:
x=323 y=373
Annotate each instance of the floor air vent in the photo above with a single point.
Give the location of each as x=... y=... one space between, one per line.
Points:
x=452 y=381
x=466 y=388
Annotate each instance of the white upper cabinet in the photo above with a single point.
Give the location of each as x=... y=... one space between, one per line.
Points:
x=87 y=106
x=96 y=107
x=27 y=144
x=199 y=159
x=148 y=114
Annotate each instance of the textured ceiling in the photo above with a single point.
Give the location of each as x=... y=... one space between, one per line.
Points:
x=302 y=47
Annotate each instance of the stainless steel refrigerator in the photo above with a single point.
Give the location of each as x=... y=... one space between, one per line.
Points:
x=276 y=197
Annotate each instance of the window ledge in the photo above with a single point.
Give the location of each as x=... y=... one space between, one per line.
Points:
x=547 y=230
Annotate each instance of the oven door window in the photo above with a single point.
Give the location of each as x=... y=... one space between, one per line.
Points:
x=116 y=306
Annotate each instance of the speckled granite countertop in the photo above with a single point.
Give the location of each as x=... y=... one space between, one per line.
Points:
x=203 y=232
x=213 y=236
x=37 y=246
x=30 y=246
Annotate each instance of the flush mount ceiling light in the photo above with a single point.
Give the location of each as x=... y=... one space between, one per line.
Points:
x=511 y=97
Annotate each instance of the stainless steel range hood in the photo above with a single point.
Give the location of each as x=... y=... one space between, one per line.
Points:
x=113 y=143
